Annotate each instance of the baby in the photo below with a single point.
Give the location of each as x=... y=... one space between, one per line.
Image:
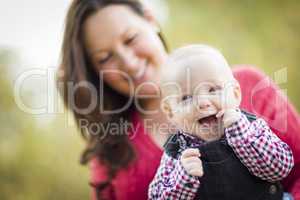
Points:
x=219 y=151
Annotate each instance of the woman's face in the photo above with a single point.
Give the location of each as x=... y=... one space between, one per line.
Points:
x=124 y=49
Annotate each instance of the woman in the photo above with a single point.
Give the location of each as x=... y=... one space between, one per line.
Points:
x=111 y=48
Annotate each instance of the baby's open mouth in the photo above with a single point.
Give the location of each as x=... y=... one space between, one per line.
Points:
x=210 y=127
x=212 y=119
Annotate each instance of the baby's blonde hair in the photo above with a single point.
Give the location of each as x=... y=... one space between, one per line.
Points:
x=174 y=66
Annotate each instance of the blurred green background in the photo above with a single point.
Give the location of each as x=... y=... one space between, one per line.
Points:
x=41 y=161
x=260 y=33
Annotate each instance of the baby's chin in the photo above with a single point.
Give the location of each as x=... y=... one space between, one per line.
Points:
x=210 y=133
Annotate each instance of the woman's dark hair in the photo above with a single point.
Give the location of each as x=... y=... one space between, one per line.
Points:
x=114 y=150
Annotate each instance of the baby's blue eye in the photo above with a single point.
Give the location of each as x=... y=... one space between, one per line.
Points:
x=186 y=97
x=212 y=89
x=215 y=89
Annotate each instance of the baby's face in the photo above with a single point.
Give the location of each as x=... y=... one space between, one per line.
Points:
x=206 y=87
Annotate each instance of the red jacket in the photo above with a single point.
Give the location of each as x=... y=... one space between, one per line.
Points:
x=259 y=96
x=262 y=97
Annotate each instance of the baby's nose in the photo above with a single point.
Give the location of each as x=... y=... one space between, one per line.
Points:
x=204 y=106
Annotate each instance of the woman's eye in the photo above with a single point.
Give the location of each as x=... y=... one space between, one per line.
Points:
x=130 y=39
x=104 y=60
x=186 y=97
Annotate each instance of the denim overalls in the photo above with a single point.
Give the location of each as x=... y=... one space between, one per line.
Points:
x=225 y=177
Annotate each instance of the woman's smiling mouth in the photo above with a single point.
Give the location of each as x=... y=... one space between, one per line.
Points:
x=141 y=72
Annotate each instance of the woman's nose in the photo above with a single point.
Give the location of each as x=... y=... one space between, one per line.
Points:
x=129 y=61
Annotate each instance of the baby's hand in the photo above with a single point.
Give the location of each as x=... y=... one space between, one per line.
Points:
x=229 y=116
x=191 y=162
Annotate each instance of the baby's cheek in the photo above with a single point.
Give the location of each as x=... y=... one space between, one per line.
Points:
x=228 y=98
x=187 y=123
x=223 y=101
x=217 y=102
x=231 y=102
x=187 y=111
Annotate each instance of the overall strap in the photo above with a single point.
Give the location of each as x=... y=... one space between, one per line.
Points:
x=250 y=116
x=172 y=146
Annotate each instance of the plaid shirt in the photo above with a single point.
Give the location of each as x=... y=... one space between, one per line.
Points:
x=257 y=147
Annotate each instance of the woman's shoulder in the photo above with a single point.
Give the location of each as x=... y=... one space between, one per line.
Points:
x=255 y=85
x=247 y=73
x=257 y=89
x=98 y=170
x=140 y=137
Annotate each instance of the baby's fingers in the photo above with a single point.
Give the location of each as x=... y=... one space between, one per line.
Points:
x=196 y=172
x=190 y=153
x=220 y=113
x=194 y=169
x=189 y=160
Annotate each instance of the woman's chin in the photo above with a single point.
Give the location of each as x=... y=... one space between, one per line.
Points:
x=147 y=86
x=144 y=90
x=147 y=92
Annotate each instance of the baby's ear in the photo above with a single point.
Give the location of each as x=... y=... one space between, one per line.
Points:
x=166 y=108
x=237 y=93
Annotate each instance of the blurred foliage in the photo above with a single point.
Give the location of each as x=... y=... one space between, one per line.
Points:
x=36 y=162
x=41 y=161
x=260 y=33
